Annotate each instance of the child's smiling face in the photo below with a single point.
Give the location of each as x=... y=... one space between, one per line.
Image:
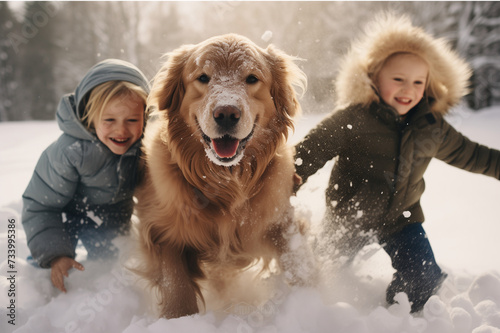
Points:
x=402 y=80
x=121 y=123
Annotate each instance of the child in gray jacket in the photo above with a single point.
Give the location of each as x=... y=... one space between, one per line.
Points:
x=82 y=187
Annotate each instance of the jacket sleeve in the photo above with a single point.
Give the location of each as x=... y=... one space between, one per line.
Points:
x=51 y=187
x=319 y=146
x=459 y=151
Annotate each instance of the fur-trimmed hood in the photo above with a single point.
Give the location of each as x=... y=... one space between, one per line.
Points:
x=389 y=34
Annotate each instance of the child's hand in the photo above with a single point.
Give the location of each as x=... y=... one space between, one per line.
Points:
x=60 y=267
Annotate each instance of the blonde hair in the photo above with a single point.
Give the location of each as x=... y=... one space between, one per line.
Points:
x=104 y=93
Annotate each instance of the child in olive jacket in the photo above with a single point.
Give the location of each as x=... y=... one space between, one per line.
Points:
x=393 y=90
x=82 y=187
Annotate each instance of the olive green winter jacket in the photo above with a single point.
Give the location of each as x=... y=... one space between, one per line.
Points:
x=377 y=179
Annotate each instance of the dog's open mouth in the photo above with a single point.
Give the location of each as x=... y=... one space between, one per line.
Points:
x=226 y=146
x=227 y=149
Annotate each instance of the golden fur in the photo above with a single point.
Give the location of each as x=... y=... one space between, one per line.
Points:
x=202 y=217
x=389 y=34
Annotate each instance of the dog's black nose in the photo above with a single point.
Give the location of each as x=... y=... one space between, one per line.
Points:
x=227 y=116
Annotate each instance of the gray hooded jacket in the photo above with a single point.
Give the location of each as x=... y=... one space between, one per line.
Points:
x=79 y=175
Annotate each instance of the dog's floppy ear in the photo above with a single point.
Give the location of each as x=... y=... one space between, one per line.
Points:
x=286 y=75
x=168 y=88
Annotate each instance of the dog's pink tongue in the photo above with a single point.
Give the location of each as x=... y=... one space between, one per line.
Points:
x=226 y=147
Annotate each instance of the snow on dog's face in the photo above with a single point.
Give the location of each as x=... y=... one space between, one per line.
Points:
x=227 y=96
x=226 y=91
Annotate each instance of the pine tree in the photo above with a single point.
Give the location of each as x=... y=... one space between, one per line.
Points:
x=8 y=60
x=164 y=34
x=37 y=99
x=77 y=43
x=479 y=40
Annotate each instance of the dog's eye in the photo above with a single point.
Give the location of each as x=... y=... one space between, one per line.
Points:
x=251 y=79
x=203 y=78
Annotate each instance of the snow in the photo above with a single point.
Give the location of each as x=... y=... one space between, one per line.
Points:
x=462 y=222
x=267 y=35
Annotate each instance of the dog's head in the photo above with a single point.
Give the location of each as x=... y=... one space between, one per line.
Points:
x=228 y=94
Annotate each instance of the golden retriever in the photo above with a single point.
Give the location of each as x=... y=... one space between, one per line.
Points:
x=219 y=176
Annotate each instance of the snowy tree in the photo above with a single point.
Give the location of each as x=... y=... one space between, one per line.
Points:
x=162 y=32
x=8 y=59
x=479 y=40
x=76 y=42
x=37 y=99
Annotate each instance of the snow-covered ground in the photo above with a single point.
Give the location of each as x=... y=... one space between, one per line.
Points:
x=463 y=224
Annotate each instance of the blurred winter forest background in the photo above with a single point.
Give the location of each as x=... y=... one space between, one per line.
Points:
x=46 y=47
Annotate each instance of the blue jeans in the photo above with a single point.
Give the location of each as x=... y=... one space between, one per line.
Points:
x=417 y=273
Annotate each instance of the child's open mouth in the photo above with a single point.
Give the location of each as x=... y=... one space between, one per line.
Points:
x=403 y=100
x=120 y=141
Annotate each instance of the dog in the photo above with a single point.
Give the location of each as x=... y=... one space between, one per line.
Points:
x=219 y=175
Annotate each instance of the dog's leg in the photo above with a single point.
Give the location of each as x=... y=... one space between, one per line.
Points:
x=176 y=284
x=295 y=256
